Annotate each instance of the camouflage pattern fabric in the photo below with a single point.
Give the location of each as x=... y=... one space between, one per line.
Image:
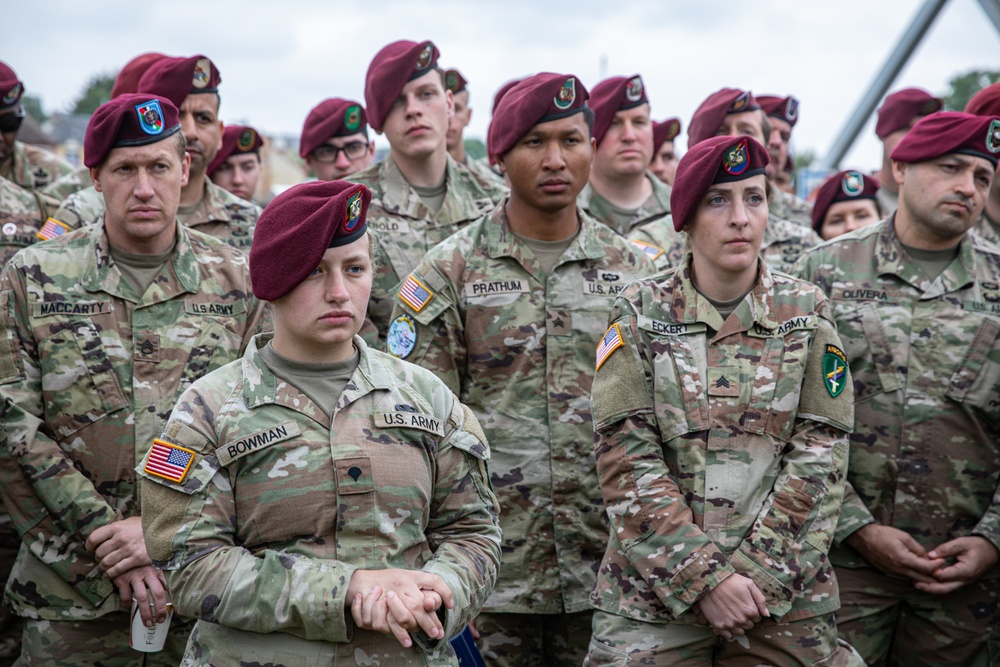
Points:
x=88 y=375
x=787 y=206
x=533 y=640
x=66 y=185
x=283 y=503
x=517 y=346
x=483 y=173
x=33 y=168
x=21 y=216
x=721 y=447
x=599 y=208
x=409 y=229
x=988 y=229
x=620 y=641
x=221 y=214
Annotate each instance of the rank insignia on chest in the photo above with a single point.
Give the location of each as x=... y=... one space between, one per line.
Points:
x=168 y=461
x=51 y=229
x=834 y=370
x=612 y=341
x=415 y=294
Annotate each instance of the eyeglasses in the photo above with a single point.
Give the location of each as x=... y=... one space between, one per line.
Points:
x=327 y=154
x=11 y=122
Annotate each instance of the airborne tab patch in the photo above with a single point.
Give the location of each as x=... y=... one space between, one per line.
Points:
x=415 y=294
x=834 y=370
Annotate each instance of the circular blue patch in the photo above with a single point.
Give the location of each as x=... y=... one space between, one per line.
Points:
x=401 y=337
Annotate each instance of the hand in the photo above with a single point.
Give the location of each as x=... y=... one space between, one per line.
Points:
x=973 y=556
x=473 y=630
x=411 y=599
x=894 y=552
x=119 y=547
x=149 y=588
x=732 y=607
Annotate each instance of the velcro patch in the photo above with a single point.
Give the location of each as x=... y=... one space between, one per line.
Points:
x=668 y=328
x=256 y=441
x=409 y=420
x=169 y=461
x=219 y=308
x=415 y=294
x=652 y=251
x=482 y=288
x=51 y=229
x=612 y=341
x=47 y=308
x=724 y=381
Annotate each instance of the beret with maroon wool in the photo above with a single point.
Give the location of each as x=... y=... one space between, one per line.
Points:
x=334 y=117
x=454 y=81
x=714 y=160
x=392 y=68
x=132 y=119
x=127 y=80
x=176 y=78
x=666 y=131
x=11 y=87
x=236 y=140
x=503 y=90
x=986 y=102
x=850 y=185
x=619 y=93
x=902 y=106
x=296 y=229
x=709 y=116
x=785 y=108
x=536 y=99
x=951 y=132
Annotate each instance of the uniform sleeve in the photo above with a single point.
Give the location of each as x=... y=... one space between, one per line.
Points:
x=464 y=527
x=649 y=517
x=54 y=506
x=190 y=532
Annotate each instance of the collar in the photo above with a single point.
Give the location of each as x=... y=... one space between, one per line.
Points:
x=891 y=259
x=689 y=306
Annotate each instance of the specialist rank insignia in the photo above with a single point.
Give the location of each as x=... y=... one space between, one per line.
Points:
x=352 y=118
x=150 y=117
x=834 y=370
x=567 y=94
x=852 y=184
x=737 y=159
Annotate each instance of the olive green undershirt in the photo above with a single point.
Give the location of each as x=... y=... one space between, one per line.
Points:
x=725 y=308
x=433 y=197
x=547 y=252
x=932 y=263
x=322 y=383
x=140 y=270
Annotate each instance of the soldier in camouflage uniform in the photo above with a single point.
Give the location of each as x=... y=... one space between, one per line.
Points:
x=326 y=489
x=334 y=141
x=622 y=193
x=107 y=325
x=192 y=85
x=916 y=302
x=508 y=312
x=30 y=167
x=987 y=103
x=722 y=406
x=899 y=112
x=664 y=164
x=456 y=83
x=22 y=213
x=421 y=196
x=781 y=114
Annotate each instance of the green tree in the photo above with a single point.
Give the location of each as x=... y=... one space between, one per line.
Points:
x=33 y=107
x=803 y=159
x=964 y=86
x=96 y=93
x=474 y=148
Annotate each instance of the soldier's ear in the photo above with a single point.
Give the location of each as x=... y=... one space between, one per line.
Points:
x=500 y=164
x=95 y=176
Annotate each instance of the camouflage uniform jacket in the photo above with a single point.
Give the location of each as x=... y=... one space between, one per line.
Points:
x=409 y=229
x=33 y=168
x=283 y=503
x=21 y=216
x=598 y=207
x=988 y=229
x=89 y=372
x=888 y=201
x=787 y=206
x=483 y=173
x=66 y=185
x=925 y=358
x=518 y=348
x=221 y=214
x=720 y=447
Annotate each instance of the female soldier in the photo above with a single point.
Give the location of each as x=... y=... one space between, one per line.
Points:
x=846 y=201
x=722 y=405
x=316 y=475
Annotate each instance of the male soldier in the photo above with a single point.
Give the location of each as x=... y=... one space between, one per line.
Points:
x=191 y=84
x=915 y=299
x=664 y=164
x=30 y=167
x=899 y=112
x=420 y=195
x=622 y=193
x=987 y=103
x=782 y=114
x=735 y=112
x=509 y=312
x=334 y=140
x=109 y=323
x=456 y=83
x=236 y=167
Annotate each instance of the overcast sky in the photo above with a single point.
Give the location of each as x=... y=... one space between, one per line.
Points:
x=278 y=59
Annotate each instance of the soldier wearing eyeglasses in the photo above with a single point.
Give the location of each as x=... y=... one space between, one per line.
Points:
x=335 y=141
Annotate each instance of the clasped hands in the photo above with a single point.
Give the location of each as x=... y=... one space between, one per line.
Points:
x=398 y=602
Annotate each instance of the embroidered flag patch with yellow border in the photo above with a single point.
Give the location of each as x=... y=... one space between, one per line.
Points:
x=168 y=461
x=51 y=229
x=415 y=294
x=652 y=251
x=612 y=341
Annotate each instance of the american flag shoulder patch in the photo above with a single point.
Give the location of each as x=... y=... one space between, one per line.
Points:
x=51 y=229
x=415 y=294
x=168 y=461
x=612 y=341
x=652 y=251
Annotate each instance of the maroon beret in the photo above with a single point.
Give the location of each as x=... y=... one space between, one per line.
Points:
x=127 y=80
x=902 y=106
x=785 y=108
x=334 y=117
x=842 y=186
x=714 y=160
x=454 y=81
x=664 y=132
x=132 y=119
x=391 y=69
x=986 y=102
x=708 y=117
x=950 y=132
x=176 y=78
x=536 y=99
x=504 y=89
x=11 y=87
x=610 y=96
x=236 y=140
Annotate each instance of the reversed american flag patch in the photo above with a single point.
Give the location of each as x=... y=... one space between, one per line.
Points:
x=415 y=294
x=652 y=251
x=168 y=461
x=51 y=229
x=612 y=341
